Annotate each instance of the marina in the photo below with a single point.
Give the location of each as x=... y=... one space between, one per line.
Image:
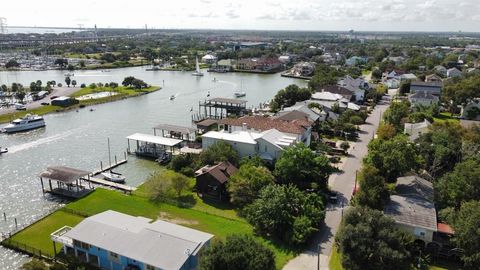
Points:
x=78 y=139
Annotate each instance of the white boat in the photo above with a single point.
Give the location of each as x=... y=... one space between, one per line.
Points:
x=28 y=122
x=20 y=107
x=114 y=177
x=3 y=150
x=172 y=97
x=239 y=94
x=197 y=68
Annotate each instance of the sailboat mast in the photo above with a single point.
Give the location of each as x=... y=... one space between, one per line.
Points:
x=109 y=156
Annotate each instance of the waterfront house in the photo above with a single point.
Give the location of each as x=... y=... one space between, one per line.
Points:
x=224 y=65
x=303 y=69
x=453 y=73
x=268 y=144
x=211 y=181
x=414 y=130
x=299 y=129
x=209 y=59
x=259 y=64
x=340 y=90
x=63 y=101
x=116 y=241
x=412 y=208
x=434 y=88
x=423 y=98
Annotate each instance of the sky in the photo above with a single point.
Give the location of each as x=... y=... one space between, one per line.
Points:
x=313 y=15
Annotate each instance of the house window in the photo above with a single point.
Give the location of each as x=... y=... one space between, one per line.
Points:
x=113 y=255
x=149 y=267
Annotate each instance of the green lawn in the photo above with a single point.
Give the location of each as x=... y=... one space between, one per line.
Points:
x=38 y=235
x=335 y=260
x=445 y=117
x=4 y=118
x=121 y=90
x=202 y=218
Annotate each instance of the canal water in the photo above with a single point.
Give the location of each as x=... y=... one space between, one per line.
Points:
x=79 y=139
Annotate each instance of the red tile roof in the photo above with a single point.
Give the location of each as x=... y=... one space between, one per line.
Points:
x=445 y=228
x=262 y=123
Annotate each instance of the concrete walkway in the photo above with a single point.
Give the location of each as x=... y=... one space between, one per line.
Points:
x=57 y=91
x=343 y=183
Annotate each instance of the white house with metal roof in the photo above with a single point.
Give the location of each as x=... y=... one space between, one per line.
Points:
x=268 y=144
x=116 y=241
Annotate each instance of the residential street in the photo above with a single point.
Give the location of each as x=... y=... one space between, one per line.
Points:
x=343 y=183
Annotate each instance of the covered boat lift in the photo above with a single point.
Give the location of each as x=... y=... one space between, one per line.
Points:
x=70 y=182
x=176 y=132
x=152 y=146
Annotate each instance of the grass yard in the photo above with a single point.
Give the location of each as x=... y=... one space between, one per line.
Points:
x=121 y=90
x=5 y=118
x=203 y=218
x=38 y=235
x=445 y=117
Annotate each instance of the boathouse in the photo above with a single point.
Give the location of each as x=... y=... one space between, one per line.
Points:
x=188 y=134
x=68 y=182
x=152 y=146
x=219 y=108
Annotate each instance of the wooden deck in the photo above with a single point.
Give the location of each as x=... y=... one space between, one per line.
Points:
x=107 y=168
x=111 y=184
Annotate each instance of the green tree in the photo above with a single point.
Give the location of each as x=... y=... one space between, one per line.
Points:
x=302 y=167
x=62 y=62
x=127 y=81
x=396 y=113
x=74 y=83
x=34 y=264
x=386 y=131
x=218 y=152
x=287 y=213
x=394 y=157
x=289 y=96
x=180 y=183
x=244 y=185
x=373 y=191
x=367 y=239
x=12 y=63
x=460 y=185
x=466 y=223
x=324 y=75
x=68 y=81
x=345 y=146
x=238 y=252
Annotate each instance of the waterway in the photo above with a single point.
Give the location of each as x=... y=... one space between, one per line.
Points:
x=79 y=139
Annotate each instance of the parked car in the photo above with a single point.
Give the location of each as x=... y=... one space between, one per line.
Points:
x=333 y=196
x=45 y=103
x=53 y=97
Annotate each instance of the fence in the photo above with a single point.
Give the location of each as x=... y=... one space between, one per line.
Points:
x=12 y=244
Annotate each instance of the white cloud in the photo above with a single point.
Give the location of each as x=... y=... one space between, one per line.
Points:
x=438 y=15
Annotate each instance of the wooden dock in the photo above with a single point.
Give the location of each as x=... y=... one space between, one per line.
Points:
x=111 y=184
x=108 y=168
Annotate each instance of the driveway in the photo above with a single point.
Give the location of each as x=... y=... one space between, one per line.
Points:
x=343 y=183
x=57 y=91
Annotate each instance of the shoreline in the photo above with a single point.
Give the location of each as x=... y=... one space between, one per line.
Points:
x=6 y=118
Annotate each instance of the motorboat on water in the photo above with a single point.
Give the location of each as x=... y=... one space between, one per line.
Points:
x=3 y=150
x=239 y=94
x=172 y=97
x=69 y=74
x=28 y=122
x=197 y=68
x=114 y=177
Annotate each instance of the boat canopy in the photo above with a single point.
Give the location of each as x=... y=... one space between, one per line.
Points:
x=63 y=174
x=154 y=139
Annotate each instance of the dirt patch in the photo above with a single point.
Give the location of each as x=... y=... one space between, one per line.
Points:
x=167 y=217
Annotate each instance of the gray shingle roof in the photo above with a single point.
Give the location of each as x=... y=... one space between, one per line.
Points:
x=161 y=244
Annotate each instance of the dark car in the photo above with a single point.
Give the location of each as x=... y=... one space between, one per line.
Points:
x=53 y=97
x=332 y=197
x=45 y=103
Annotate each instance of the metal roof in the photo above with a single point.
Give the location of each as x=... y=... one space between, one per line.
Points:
x=63 y=174
x=228 y=100
x=154 y=139
x=160 y=244
x=175 y=128
x=413 y=212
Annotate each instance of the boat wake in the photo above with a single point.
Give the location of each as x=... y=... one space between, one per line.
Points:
x=21 y=147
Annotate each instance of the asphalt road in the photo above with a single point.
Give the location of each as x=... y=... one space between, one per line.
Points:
x=57 y=91
x=343 y=183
